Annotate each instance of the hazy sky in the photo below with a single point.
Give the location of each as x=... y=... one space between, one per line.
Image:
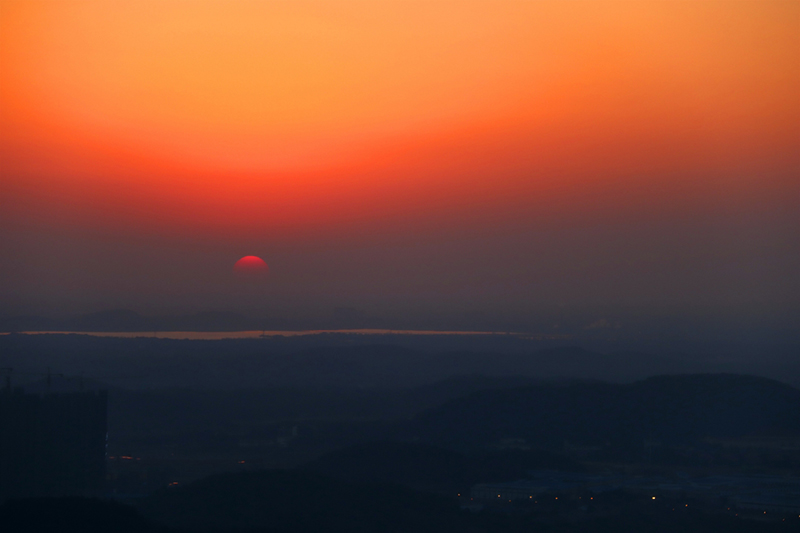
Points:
x=398 y=154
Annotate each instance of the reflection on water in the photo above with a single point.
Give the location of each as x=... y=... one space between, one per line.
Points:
x=214 y=335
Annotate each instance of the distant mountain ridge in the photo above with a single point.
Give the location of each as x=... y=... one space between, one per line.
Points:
x=337 y=361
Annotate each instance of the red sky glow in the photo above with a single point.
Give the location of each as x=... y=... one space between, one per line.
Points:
x=297 y=127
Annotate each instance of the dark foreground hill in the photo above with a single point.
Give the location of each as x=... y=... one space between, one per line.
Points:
x=666 y=409
x=285 y=501
x=300 y=502
x=303 y=502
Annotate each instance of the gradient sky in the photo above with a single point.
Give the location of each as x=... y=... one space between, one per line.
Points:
x=451 y=156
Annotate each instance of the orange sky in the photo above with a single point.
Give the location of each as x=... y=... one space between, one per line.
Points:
x=280 y=116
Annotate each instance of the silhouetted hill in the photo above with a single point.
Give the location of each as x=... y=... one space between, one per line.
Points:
x=669 y=409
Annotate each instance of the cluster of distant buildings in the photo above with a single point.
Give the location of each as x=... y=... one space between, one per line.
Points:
x=769 y=493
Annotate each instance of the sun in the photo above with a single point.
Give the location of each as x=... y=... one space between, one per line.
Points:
x=251 y=266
